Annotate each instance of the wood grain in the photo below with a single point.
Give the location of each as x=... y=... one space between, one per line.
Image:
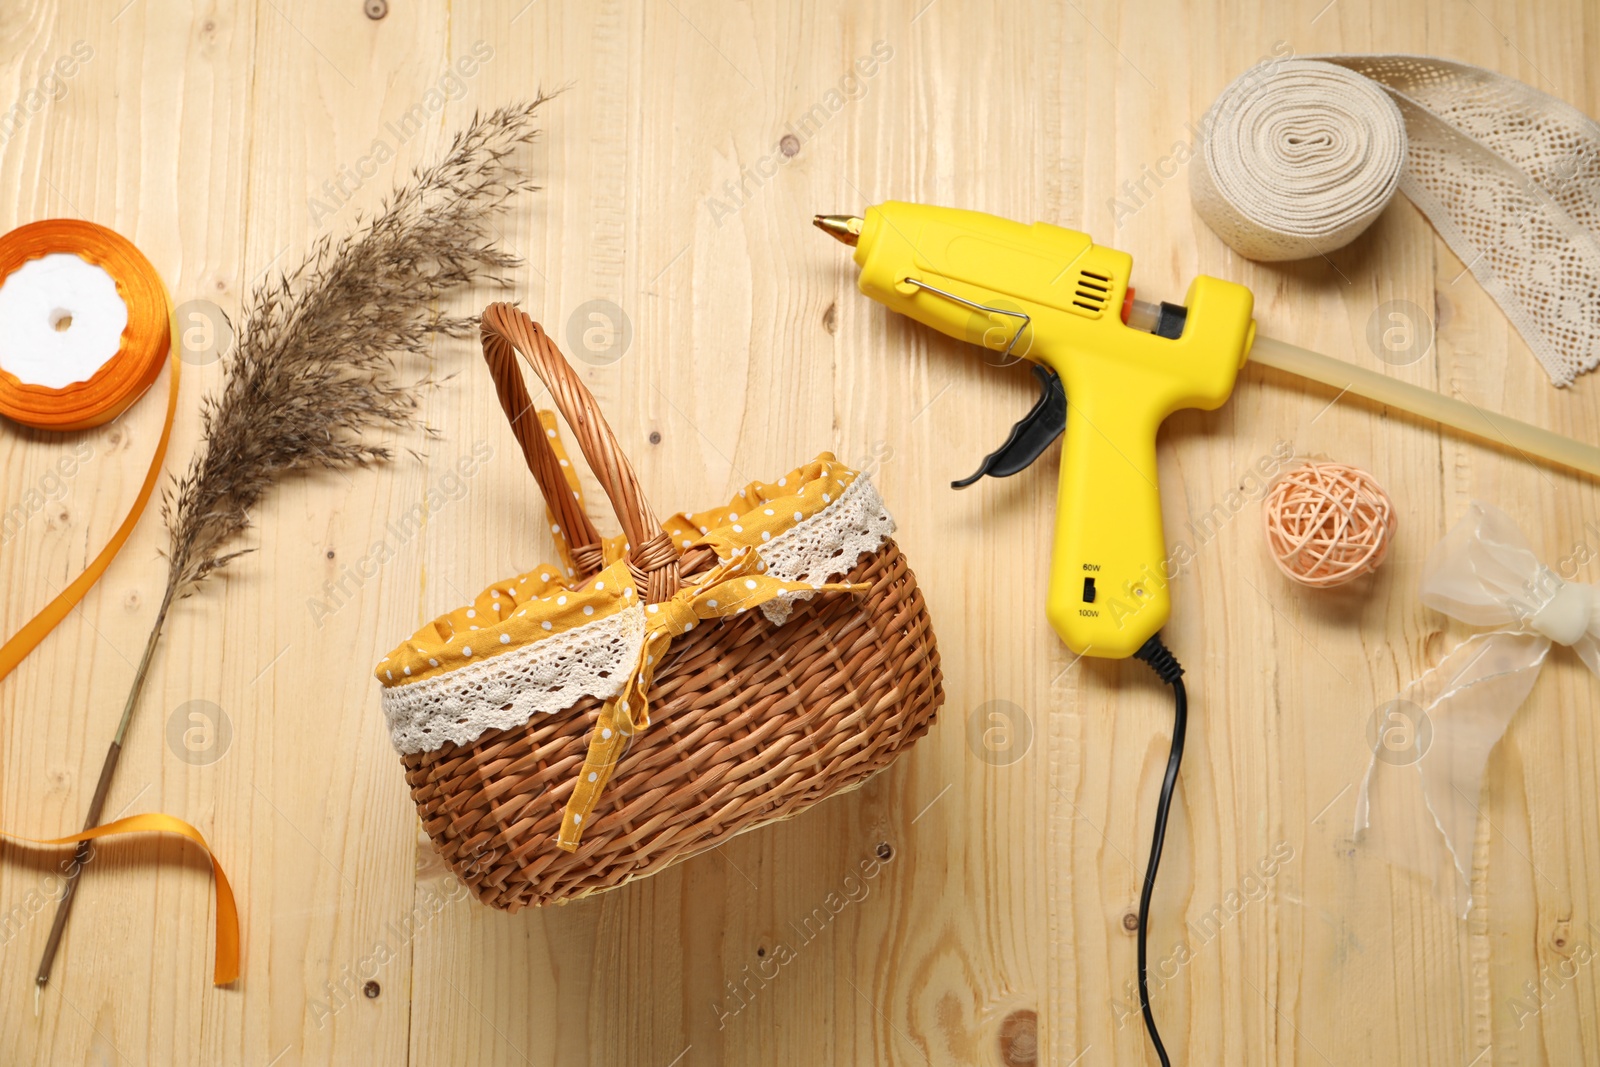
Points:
x=225 y=138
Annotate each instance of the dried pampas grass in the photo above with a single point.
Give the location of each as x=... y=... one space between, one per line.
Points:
x=315 y=369
x=316 y=366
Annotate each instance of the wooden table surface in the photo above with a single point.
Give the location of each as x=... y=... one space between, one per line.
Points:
x=224 y=138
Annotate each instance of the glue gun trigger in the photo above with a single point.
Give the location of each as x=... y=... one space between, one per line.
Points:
x=1032 y=434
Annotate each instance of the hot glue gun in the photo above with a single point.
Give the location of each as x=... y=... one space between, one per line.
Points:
x=1111 y=368
x=1122 y=365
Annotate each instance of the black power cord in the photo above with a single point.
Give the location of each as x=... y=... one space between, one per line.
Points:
x=1167 y=668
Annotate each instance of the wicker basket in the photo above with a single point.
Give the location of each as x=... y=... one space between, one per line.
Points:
x=751 y=721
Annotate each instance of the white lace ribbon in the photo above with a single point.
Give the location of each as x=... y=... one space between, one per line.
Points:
x=509 y=689
x=1302 y=154
x=1483 y=573
x=826 y=545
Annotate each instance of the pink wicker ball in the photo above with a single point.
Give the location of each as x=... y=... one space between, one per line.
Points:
x=1327 y=524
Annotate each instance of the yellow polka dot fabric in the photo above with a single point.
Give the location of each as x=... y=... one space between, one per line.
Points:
x=550 y=599
x=612 y=547
x=763 y=510
x=546 y=600
x=506 y=616
x=732 y=587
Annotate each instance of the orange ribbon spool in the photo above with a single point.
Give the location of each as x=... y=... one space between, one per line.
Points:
x=145 y=342
x=142 y=351
x=110 y=391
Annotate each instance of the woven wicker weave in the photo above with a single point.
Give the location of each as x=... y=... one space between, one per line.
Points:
x=753 y=722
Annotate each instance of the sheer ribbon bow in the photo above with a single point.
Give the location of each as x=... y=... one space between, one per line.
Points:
x=1484 y=573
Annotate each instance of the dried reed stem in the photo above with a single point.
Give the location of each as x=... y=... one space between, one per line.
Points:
x=316 y=370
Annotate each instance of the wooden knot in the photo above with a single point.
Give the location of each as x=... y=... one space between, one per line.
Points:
x=1019 y=1038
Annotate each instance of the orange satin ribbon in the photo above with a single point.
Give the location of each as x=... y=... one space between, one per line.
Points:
x=225 y=969
x=146 y=342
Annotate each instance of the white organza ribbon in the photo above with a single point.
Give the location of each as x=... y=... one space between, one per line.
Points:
x=1484 y=574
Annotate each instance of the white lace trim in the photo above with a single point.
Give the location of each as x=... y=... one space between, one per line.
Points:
x=1300 y=155
x=547 y=676
x=826 y=545
x=554 y=673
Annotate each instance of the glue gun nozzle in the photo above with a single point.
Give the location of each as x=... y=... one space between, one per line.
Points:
x=846 y=229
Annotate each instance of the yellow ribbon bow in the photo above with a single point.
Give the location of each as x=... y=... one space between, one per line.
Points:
x=730 y=587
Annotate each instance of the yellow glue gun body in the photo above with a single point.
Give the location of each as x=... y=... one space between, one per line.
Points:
x=1052 y=296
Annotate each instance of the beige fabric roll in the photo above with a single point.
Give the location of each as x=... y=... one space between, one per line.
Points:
x=1301 y=157
x=1302 y=154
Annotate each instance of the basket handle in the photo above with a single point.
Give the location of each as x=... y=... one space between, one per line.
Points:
x=576 y=530
x=652 y=557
